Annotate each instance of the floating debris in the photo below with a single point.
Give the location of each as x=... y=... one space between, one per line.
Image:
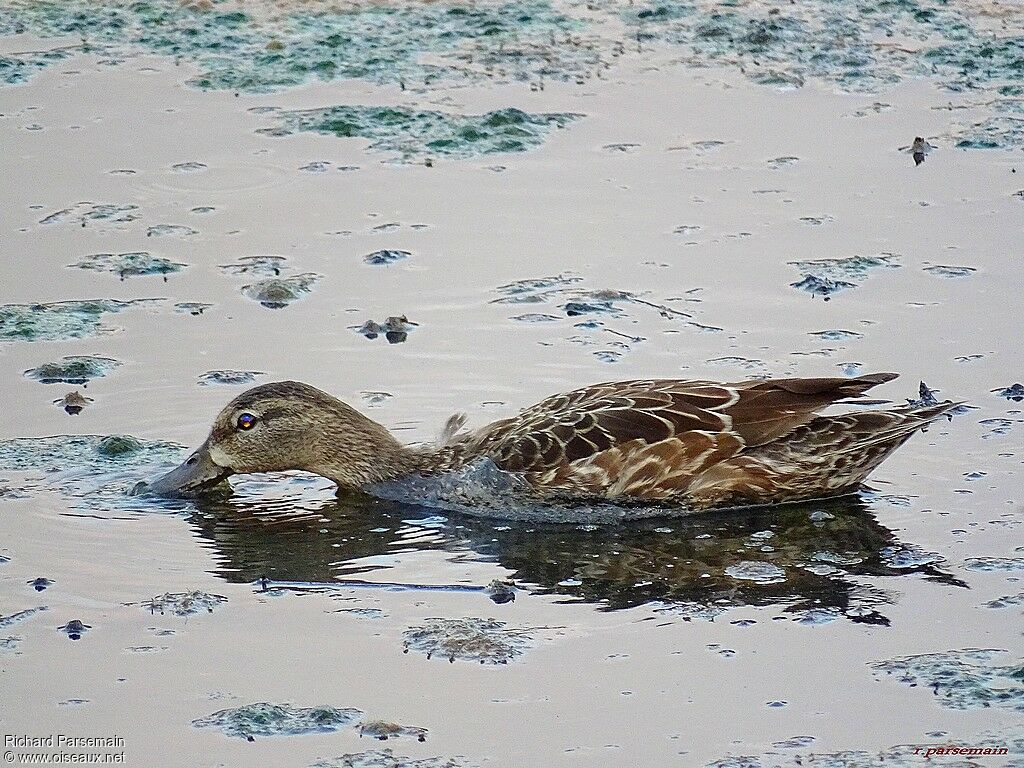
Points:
x=266 y=266
x=816 y=221
x=171 y=230
x=821 y=286
x=263 y=719
x=1014 y=392
x=959 y=752
x=383 y=730
x=86 y=214
x=228 y=377
x=75 y=369
x=816 y=617
x=417 y=134
x=58 y=320
x=130 y=264
x=74 y=629
x=192 y=307
x=73 y=403
x=16 y=618
x=824 y=277
x=925 y=397
x=941 y=270
x=40 y=583
x=919 y=149
x=908 y=556
x=189 y=167
x=1006 y=601
x=487 y=641
x=95 y=472
x=278 y=293
x=385 y=257
x=183 y=603
x=375 y=399
x=782 y=162
x=686 y=229
x=762 y=573
x=501 y=592
x=962 y=679
x=535 y=290
x=395 y=329
x=118 y=445
x=243 y=50
x=994 y=564
x=837 y=335
x=998 y=132
x=385 y=758
x=535 y=317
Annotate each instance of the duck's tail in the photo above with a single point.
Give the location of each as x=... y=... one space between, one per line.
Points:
x=837 y=453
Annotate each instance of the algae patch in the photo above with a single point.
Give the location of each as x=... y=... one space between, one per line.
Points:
x=384 y=730
x=263 y=719
x=228 y=377
x=75 y=369
x=963 y=679
x=487 y=641
x=824 y=277
x=385 y=758
x=277 y=293
x=59 y=320
x=241 y=48
x=96 y=471
x=184 y=603
x=132 y=264
x=414 y=134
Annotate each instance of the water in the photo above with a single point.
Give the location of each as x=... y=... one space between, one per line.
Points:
x=618 y=192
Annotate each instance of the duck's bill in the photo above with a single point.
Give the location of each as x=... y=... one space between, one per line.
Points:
x=197 y=475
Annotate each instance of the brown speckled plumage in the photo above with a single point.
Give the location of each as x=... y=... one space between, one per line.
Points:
x=697 y=442
x=694 y=443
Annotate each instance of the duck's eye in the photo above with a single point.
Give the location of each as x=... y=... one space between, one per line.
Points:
x=246 y=421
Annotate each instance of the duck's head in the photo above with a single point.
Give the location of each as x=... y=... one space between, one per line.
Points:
x=282 y=426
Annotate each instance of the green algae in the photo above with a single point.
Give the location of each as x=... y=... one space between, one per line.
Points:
x=75 y=369
x=277 y=293
x=95 y=471
x=963 y=679
x=115 y=446
x=857 y=44
x=385 y=758
x=228 y=377
x=384 y=730
x=263 y=49
x=487 y=641
x=415 y=134
x=824 y=277
x=264 y=719
x=85 y=214
x=184 y=603
x=954 y=753
x=58 y=320
x=131 y=264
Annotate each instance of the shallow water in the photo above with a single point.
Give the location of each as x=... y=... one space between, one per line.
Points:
x=162 y=250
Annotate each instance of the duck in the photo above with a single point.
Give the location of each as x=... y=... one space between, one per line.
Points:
x=692 y=443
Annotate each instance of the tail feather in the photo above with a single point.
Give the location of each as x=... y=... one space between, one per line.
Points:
x=902 y=423
x=837 y=453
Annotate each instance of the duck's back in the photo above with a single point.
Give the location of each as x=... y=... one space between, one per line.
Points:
x=698 y=442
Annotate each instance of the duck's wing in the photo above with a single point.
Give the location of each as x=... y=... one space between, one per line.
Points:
x=681 y=421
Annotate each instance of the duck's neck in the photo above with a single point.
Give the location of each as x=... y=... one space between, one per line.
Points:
x=364 y=452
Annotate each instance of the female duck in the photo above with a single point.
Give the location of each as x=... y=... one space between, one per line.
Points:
x=693 y=443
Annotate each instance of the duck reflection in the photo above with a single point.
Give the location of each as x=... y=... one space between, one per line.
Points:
x=802 y=558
